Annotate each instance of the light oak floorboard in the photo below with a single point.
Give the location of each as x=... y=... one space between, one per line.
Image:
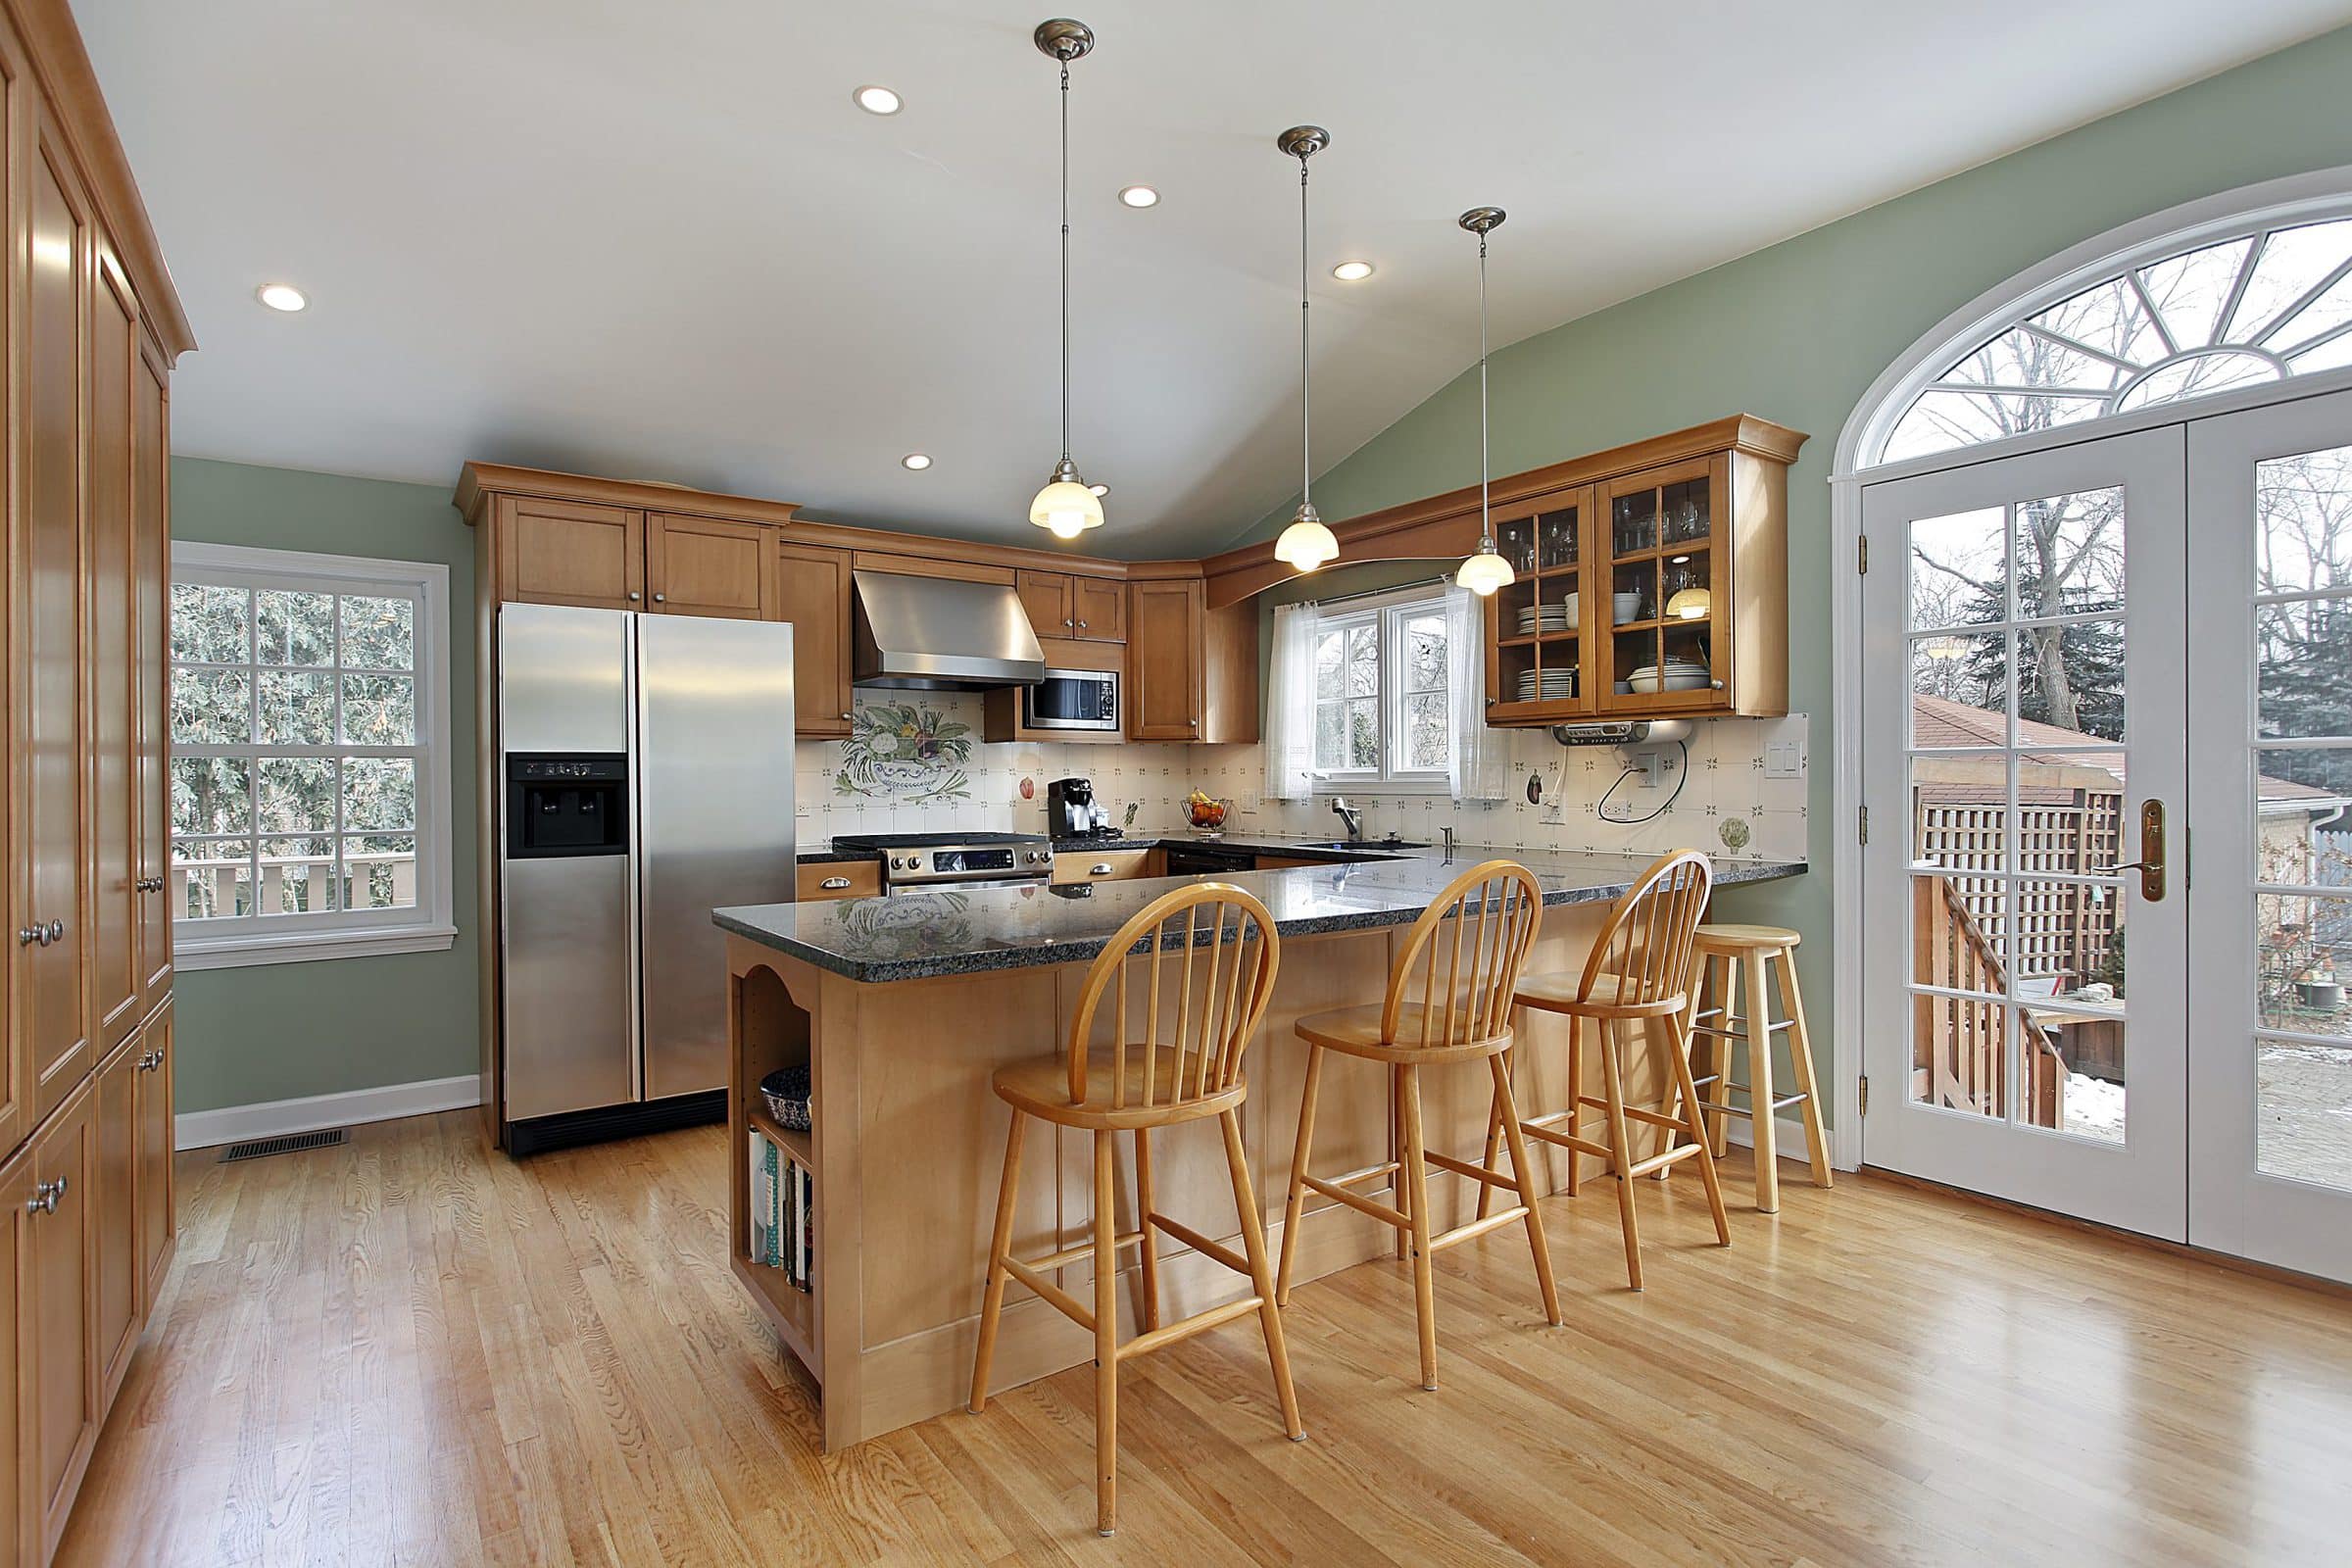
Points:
x=407 y=1350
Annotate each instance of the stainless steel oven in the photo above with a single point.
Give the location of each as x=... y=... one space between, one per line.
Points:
x=941 y=863
x=1073 y=698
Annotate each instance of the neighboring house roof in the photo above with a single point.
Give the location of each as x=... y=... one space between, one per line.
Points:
x=1939 y=722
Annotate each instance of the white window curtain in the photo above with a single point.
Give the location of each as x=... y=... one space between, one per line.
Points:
x=1289 y=748
x=1478 y=770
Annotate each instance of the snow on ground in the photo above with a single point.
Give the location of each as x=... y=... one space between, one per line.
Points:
x=2305 y=1114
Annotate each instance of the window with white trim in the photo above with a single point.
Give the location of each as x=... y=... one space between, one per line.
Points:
x=310 y=756
x=2268 y=302
x=1381 y=696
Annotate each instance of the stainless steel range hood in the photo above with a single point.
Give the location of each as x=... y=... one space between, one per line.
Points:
x=940 y=634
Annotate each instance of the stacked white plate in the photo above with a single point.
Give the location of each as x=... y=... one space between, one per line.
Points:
x=1675 y=675
x=1546 y=618
x=1557 y=685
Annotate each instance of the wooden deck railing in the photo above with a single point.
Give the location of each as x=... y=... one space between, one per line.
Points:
x=1959 y=1043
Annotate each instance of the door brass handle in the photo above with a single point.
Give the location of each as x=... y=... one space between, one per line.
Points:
x=2151 y=862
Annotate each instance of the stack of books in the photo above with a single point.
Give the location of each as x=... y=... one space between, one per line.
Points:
x=783 y=1205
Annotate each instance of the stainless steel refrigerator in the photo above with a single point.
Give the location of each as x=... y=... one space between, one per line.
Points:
x=647 y=767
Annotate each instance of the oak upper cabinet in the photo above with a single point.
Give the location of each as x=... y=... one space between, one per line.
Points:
x=710 y=566
x=50 y=946
x=813 y=592
x=151 y=508
x=1191 y=672
x=61 y=1402
x=112 y=675
x=1164 y=675
x=1657 y=591
x=571 y=552
x=1071 y=605
x=154 y=1184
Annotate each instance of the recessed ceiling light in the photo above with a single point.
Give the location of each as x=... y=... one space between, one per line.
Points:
x=878 y=100
x=281 y=297
x=1353 y=271
x=917 y=461
x=1100 y=489
x=1139 y=196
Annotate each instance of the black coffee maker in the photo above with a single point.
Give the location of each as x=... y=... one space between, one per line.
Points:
x=1070 y=809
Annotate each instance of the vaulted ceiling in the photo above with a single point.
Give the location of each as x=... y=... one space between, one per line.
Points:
x=659 y=241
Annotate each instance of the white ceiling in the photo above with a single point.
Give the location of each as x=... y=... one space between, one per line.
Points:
x=658 y=242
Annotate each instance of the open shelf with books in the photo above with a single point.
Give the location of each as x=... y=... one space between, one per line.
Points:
x=777 y=1198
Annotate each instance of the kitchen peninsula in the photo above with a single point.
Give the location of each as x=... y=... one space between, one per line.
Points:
x=902 y=1008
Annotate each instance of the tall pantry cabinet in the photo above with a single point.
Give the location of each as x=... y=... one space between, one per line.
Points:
x=89 y=329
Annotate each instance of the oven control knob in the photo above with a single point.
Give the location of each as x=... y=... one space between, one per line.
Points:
x=897 y=863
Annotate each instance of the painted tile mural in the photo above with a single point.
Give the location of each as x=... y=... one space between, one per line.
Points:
x=920 y=766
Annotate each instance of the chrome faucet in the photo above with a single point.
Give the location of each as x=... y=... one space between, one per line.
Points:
x=1447 y=830
x=1355 y=825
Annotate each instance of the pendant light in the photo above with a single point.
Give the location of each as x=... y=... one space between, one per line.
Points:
x=1065 y=507
x=1487 y=570
x=1306 y=543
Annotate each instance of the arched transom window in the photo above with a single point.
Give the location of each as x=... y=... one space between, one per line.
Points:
x=2263 y=304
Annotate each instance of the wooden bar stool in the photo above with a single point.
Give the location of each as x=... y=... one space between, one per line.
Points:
x=1494 y=910
x=1738 y=958
x=1138 y=1086
x=1641 y=972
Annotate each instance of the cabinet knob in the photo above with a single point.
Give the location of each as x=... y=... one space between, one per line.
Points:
x=1082 y=626
x=845 y=713
x=55 y=933
x=1715 y=685
x=45 y=1195
x=27 y=935
x=1065 y=621
x=834 y=884
x=660 y=599
x=1193 y=722
x=634 y=596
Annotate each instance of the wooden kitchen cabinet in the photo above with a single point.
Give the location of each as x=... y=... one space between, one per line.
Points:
x=17 y=1219
x=150 y=481
x=1074 y=607
x=840 y=879
x=1679 y=576
x=48 y=884
x=813 y=592
x=571 y=552
x=112 y=675
x=1192 y=674
x=1108 y=865
x=115 y=1275
x=61 y=1394
x=710 y=566
x=155 y=1185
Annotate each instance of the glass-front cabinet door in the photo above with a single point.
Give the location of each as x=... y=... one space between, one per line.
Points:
x=1662 y=576
x=1539 y=623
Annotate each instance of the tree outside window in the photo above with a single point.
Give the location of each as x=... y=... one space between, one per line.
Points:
x=1381 y=696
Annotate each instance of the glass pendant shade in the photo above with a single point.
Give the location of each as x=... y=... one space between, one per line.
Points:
x=1065 y=508
x=1484 y=571
x=1307 y=543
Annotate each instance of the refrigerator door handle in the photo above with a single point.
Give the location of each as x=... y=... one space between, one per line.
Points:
x=633 y=704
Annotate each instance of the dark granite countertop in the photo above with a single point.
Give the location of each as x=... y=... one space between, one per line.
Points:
x=959 y=932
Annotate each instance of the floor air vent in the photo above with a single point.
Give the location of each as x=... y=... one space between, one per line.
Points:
x=291 y=1143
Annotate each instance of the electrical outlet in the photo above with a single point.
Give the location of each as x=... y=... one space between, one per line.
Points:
x=1784 y=759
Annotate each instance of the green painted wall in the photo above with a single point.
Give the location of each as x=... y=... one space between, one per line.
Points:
x=1798 y=332
x=284 y=1030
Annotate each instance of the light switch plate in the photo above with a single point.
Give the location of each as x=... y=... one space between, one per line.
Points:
x=1784 y=759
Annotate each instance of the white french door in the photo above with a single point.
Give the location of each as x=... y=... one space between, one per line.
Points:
x=2107 y=890
x=2270 y=1155
x=2026 y=755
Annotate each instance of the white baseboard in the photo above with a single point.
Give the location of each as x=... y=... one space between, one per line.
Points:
x=1789 y=1140
x=270 y=1119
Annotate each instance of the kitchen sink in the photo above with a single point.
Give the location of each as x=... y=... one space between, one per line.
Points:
x=1364 y=843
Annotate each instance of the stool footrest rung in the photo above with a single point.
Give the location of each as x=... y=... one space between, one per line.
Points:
x=1476 y=1228
x=1477 y=1173
x=1737 y=1029
x=1553 y=1135
x=1363 y=1206
x=1365 y=1175
x=1201 y=1243
x=1672 y=1156
x=1083 y=1250
x=1199 y=1323
x=1709 y=1108
x=1069 y=1305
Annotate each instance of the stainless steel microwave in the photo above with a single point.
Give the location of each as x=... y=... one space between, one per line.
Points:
x=1072 y=699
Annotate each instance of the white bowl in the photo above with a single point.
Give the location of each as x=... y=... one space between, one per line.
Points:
x=1624 y=608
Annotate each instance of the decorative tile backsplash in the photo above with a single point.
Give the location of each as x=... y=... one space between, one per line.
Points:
x=915 y=762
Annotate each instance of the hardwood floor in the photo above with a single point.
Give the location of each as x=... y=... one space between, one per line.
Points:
x=406 y=1350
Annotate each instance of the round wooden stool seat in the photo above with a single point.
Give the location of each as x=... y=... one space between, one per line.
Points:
x=1746 y=938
